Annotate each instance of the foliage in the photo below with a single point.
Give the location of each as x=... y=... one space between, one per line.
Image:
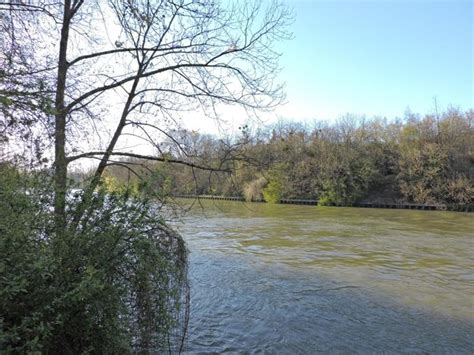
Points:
x=26 y=268
x=273 y=192
x=421 y=159
x=107 y=275
x=158 y=184
x=116 y=285
x=423 y=173
x=111 y=185
x=460 y=191
x=253 y=191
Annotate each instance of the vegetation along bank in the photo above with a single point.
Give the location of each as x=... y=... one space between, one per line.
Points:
x=418 y=161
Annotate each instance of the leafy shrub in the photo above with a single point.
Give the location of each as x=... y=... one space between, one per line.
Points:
x=116 y=285
x=27 y=316
x=345 y=181
x=325 y=201
x=273 y=192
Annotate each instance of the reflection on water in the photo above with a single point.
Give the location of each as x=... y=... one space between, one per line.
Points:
x=301 y=279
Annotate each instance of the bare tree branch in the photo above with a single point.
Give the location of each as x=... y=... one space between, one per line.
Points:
x=148 y=157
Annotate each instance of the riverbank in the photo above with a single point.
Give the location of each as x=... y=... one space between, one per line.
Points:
x=409 y=206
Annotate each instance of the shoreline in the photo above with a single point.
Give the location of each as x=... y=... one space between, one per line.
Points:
x=405 y=206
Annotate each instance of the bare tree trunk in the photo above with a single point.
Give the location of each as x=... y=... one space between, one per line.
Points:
x=60 y=163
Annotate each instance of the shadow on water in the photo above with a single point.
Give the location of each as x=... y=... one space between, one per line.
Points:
x=295 y=279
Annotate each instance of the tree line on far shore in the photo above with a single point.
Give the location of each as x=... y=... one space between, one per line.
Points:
x=425 y=159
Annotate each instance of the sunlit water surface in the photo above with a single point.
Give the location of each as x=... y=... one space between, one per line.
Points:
x=300 y=279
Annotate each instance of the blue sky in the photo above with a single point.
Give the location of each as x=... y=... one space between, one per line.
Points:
x=377 y=57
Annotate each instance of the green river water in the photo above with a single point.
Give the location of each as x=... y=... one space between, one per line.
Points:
x=287 y=279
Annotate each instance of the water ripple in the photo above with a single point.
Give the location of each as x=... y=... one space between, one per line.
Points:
x=296 y=279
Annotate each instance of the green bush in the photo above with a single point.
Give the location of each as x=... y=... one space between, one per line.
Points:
x=27 y=268
x=116 y=285
x=325 y=201
x=345 y=181
x=273 y=192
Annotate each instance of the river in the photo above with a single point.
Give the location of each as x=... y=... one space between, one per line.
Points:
x=287 y=279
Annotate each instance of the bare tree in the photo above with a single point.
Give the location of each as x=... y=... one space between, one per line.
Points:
x=138 y=65
x=79 y=77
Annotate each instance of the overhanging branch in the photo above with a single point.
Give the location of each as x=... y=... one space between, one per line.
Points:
x=149 y=157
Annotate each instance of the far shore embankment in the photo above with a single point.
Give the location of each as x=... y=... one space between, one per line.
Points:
x=309 y=202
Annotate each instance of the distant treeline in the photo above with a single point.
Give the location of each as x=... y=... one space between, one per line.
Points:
x=418 y=159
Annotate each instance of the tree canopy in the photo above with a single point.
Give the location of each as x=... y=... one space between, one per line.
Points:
x=77 y=78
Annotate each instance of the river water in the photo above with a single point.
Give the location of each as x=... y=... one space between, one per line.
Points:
x=286 y=279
